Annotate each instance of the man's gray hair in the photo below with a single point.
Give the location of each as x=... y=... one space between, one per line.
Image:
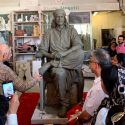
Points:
x=102 y=57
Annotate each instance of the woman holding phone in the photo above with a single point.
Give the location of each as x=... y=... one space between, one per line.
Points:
x=8 y=110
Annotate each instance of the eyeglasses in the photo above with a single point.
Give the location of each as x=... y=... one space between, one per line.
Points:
x=117 y=116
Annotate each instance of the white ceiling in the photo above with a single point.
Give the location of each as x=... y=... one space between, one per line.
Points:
x=7 y=6
x=9 y=3
x=17 y=2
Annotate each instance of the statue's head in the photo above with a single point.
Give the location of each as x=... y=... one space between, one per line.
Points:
x=59 y=18
x=59 y=11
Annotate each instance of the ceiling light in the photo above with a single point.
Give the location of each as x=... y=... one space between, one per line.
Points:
x=95 y=13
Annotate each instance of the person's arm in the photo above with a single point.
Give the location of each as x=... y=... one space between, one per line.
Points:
x=12 y=119
x=91 y=104
x=13 y=107
x=84 y=117
x=101 y=117
x=20 y=84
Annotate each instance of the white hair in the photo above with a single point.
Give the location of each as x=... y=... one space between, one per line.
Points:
x=4 y=48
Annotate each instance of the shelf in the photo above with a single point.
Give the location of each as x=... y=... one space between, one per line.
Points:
x=27 y=24
x=31 y=53
x=26 y=11
x=26 y=36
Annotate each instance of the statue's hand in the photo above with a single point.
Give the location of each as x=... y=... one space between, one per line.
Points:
x=53 y=55
x=59 y=55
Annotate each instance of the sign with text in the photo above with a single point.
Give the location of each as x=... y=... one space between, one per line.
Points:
x=79 y=17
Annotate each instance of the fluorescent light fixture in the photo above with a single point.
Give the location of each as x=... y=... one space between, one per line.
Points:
x=95 y=13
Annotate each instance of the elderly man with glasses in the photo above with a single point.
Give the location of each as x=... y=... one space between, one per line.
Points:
x=99 y=59
x=7 y=74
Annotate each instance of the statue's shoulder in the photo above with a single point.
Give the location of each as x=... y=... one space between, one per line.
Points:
x=71 y=28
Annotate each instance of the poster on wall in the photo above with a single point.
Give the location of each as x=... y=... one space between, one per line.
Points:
x=79 y=17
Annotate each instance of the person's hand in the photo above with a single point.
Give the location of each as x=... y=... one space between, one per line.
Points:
x=37 y=76
x=13 y=104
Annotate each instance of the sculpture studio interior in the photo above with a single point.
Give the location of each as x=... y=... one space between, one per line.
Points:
x=52 y=44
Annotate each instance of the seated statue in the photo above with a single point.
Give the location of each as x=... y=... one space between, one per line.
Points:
x=64 y=51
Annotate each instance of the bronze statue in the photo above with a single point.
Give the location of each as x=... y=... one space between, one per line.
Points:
x=64 y=49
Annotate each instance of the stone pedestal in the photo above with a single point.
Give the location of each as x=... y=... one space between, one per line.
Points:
x=44 y=117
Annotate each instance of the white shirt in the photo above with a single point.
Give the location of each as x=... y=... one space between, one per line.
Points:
x=94 y=97
x=101 y=117
x=12 y=119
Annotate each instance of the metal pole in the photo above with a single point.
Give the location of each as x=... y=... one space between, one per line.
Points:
x=42 y=94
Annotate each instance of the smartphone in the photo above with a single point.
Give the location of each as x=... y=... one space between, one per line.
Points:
x=8 y=89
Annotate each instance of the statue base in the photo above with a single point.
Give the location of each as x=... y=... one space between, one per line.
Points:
x=47 y=116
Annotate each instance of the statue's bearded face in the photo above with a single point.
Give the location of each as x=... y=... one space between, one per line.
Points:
x=60 y=19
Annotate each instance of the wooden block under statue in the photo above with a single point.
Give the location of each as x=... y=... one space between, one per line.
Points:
x=52 y=96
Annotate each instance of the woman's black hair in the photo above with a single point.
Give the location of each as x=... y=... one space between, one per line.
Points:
x=116 y=102
x=4 y=106
x=111 y=52
x=121 y=59
x=109 y=76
